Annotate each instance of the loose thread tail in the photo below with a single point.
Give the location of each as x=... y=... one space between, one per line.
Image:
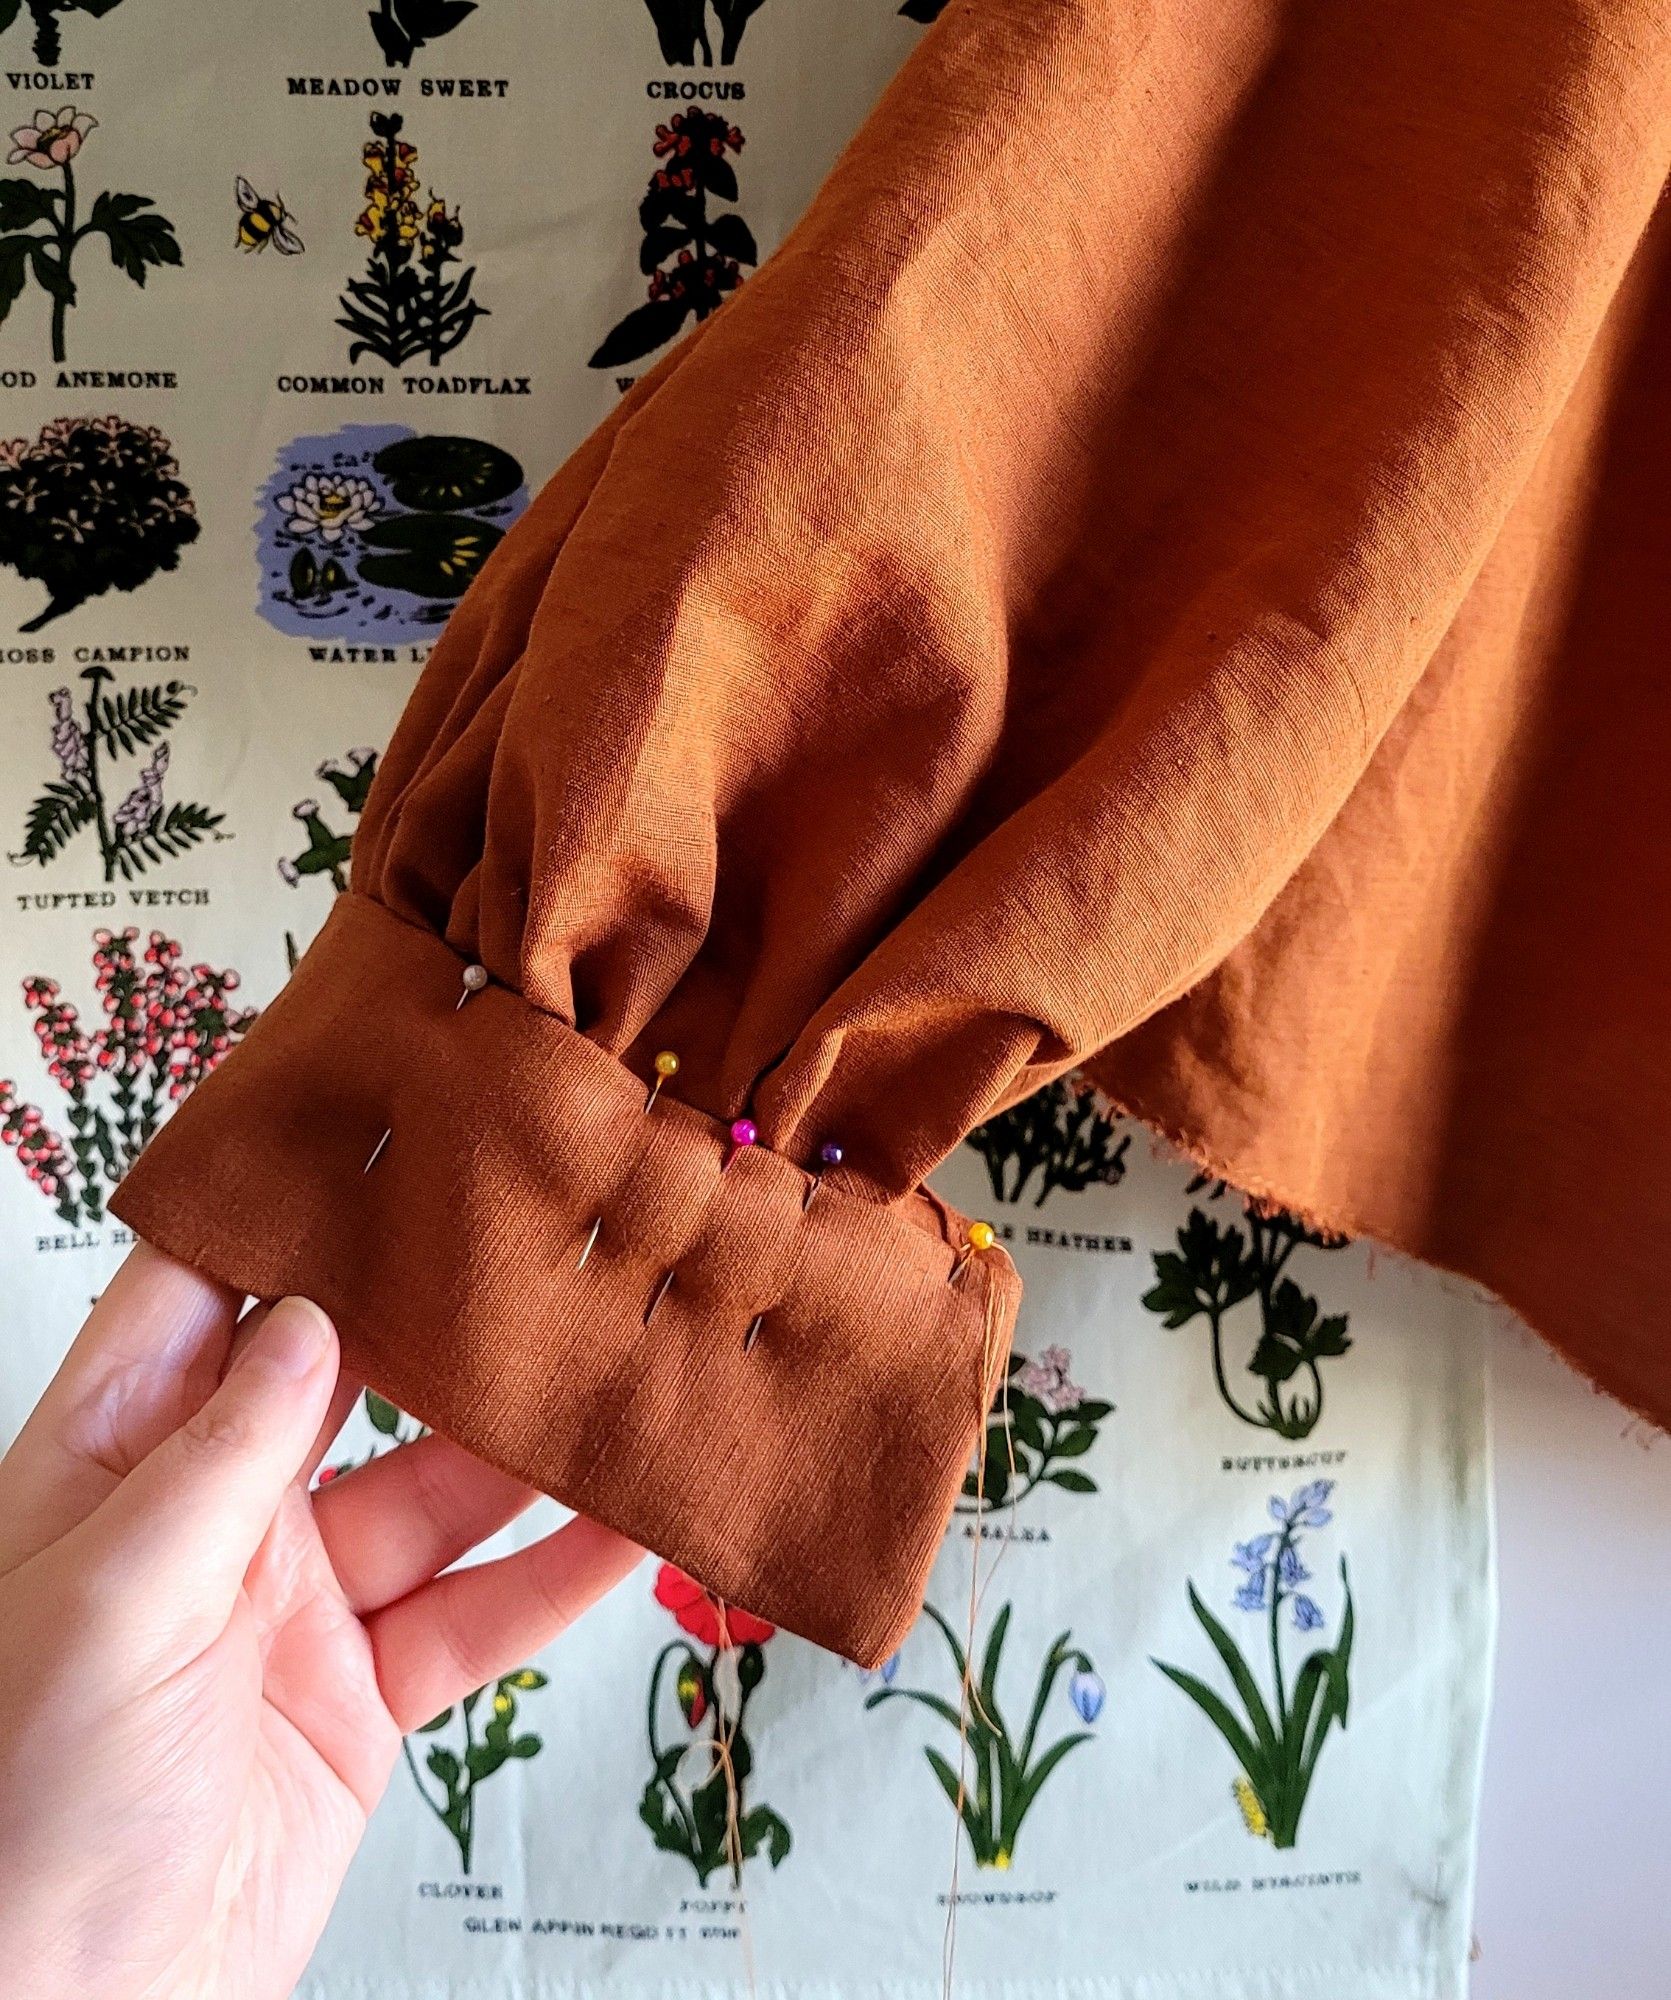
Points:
x=733 y=1810
x=969 y=1699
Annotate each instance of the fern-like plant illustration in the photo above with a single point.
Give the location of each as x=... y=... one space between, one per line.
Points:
x=1276 y=1744
x=1215 y=1268
x=682 y=28
x=692 y=256
x=1066 y=1136
x=45 y=18
x=141 y=828
x=410 y=300
x=994 y=1797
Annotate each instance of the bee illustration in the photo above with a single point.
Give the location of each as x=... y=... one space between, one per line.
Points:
x=264 y=221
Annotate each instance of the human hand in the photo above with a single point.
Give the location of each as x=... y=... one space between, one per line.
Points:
x=205 y=1669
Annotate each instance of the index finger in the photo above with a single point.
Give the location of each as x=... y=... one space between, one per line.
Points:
x=147 y=1359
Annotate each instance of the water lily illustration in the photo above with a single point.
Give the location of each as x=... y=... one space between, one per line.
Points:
x=1276 y=1743
x=329 y=505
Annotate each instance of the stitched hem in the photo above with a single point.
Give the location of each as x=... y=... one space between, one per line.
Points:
x=808 y=1479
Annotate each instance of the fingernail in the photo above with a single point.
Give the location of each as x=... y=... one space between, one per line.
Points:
x=295 y=1337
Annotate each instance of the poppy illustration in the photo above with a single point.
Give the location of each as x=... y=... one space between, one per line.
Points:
x=697 y=1801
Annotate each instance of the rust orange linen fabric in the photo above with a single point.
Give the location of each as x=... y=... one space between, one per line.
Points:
x=1167 y=560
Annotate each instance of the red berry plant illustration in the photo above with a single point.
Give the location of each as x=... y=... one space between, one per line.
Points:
x=91 y=504
x=1040 y=1420
x=1002 y=1774
x=1066 y=1135
x=1216 y=1268
x=410 y=301
x=696 y=1803
x=139 y=828
x=166 y=1025
x=39 y=228
x=706 y=251
x=1276 y=1744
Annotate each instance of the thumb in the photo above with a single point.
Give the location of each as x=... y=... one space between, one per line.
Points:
x=177 y=1535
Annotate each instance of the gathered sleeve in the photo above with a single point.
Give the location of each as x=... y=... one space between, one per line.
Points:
x=931 y=671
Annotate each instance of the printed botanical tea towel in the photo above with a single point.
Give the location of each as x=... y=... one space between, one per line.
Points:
x=297 y=309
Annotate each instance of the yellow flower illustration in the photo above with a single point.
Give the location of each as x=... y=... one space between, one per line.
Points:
x=1253 y=1812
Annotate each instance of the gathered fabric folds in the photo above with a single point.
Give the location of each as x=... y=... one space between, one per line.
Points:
x=1163 y=570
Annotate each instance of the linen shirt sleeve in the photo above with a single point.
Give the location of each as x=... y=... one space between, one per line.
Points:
x=932 y=669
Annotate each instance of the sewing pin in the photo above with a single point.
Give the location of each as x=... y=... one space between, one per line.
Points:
x=982 y=1236
x=377 y=1150
x=666 y=1066
x=475 y=978
x=829 y=1155
x=656 y=1298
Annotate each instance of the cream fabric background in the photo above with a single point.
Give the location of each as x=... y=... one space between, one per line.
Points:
x=1135 y=1872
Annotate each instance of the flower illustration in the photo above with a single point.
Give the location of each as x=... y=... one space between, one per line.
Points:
x=330 y=505
x=1276 y=1744
x=1215 y=1268
x=141 y=830
x=410 y=301
x=1039 y=1420
x=1087 y=1693
x=704 y=1616
x=402 y=27
x=166 y=1026
x=707 y=251
x=459 y=1770
x=1067 y=1134
x=696 y=1801
x=69 y=744
x=40 y=229
x=142 y=805
x=682 y=28
x=91 y=504
x=52 y=140
x=1009 y=1773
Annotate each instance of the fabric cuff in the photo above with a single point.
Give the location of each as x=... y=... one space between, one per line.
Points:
x=807 y=1477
